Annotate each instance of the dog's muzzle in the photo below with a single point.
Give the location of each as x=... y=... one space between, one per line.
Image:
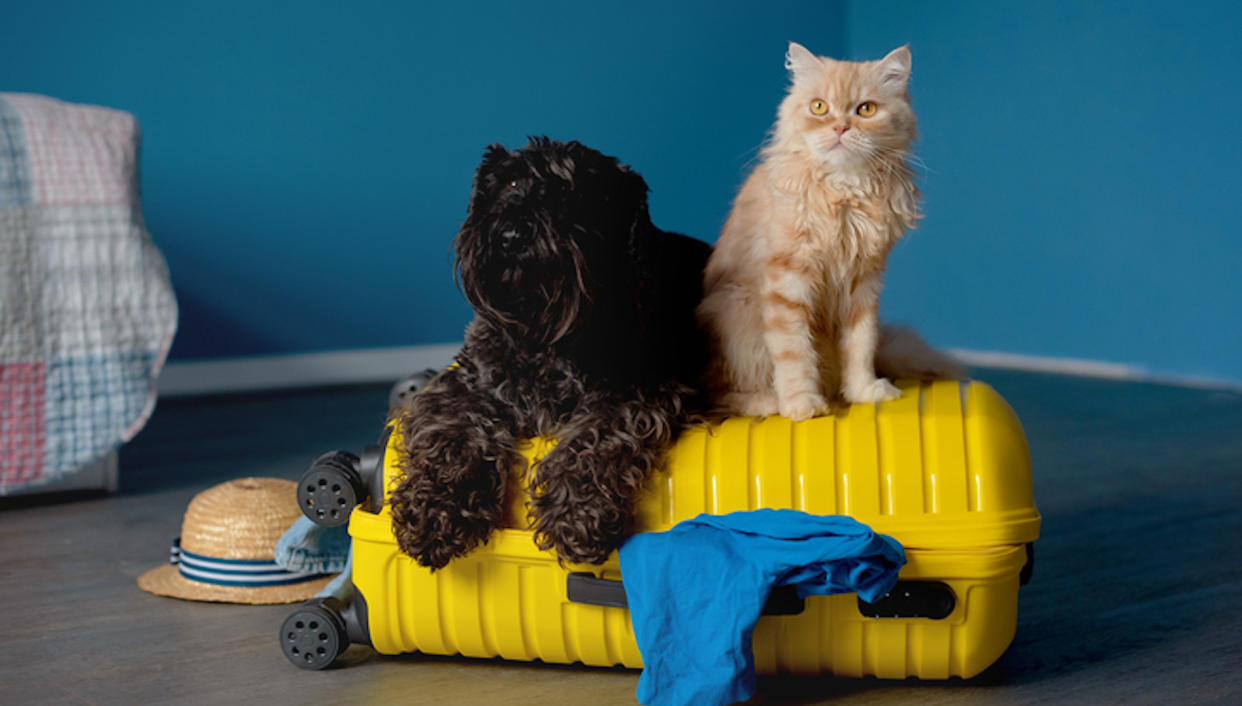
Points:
x=511 y=240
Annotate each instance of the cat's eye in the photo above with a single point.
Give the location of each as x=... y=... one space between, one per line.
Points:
x=867 y=109
x=819 y=107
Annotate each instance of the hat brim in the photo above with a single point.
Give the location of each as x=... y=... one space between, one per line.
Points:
x=167 y=581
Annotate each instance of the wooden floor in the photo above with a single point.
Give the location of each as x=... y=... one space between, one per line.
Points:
x=1136 y=597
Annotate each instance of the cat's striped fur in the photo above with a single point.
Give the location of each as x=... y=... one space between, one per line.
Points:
x=792 y=289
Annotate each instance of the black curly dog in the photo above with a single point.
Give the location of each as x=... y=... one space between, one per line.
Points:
x=584 y=331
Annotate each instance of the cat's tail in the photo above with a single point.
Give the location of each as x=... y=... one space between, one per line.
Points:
x=903 y=354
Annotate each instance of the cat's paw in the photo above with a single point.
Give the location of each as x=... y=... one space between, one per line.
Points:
x=876 y=390
x=803 y=406
x=752 y=404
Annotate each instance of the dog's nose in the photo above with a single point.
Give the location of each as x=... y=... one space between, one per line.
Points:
x=509 y=239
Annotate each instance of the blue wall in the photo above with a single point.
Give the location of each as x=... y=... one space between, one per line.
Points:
x=306 y=164
x=1083 y=198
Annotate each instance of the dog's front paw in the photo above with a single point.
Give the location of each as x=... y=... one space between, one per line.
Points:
x=434 y=552
x=868 y=391
x=584 y=551
x=436 y=520
x=803 y=406
x=579 y=533
x=435 y=534
x=580 y=545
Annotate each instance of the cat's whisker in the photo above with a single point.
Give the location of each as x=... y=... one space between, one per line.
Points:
x=753 y=157
x=877 y=160
x=906 y=155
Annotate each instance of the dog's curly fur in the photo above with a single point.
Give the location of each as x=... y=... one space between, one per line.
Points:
x=584 y=331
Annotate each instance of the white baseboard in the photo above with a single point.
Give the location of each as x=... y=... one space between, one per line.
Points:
x=1087 y=368
x=374 y=365
x=1034 y=363
x=200 y=377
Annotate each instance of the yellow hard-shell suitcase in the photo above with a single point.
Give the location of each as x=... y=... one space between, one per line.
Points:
x=945 y=470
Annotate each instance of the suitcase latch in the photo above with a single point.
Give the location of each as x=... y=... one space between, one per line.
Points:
x=912 y=599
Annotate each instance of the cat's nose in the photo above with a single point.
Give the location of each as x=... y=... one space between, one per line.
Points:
x=840 y=129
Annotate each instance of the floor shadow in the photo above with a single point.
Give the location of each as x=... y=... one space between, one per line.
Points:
x=202 y=440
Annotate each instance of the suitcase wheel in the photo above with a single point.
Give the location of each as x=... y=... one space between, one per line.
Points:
x=313 y=636
x=330 y=489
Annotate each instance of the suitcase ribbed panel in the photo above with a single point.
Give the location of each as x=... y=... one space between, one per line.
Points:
x=944 y=469
x=495 y=603
x=946 y=465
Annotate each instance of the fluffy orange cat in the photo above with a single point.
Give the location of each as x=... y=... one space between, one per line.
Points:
x=791 y=292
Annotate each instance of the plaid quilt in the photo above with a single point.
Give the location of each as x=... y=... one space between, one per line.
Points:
x=87 y=312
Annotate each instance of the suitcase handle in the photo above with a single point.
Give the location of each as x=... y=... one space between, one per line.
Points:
x=908 y=599
x=912 y=599
x=584 y=587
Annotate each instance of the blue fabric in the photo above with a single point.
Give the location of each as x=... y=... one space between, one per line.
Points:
x=342 y=586
x=306 y=546
x=696 y=591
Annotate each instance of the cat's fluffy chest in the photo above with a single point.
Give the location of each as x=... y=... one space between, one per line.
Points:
x=846 y=224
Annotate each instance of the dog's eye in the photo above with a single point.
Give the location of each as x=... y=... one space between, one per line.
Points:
x=512 y=185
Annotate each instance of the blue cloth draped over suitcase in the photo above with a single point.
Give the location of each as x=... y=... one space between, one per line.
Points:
x=696 y=591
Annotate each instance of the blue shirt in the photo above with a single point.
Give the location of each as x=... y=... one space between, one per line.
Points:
x=696 y=591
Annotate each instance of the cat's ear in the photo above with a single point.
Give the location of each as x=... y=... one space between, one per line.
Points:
x=895 y=68
x=799 y=60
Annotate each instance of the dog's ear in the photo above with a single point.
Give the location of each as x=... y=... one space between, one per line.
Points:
x=494 y=153
x=540 y=142
x=635 y=195
x=493 y=156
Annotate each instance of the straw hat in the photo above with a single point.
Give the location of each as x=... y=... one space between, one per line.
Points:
x=227 y=547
